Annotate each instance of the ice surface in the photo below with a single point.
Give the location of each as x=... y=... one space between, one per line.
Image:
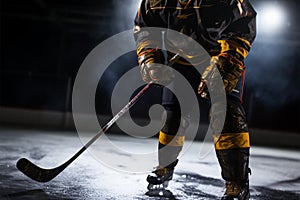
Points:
x=275 y=172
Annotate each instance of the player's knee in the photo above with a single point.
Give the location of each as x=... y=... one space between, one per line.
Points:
x=235 y=120
x=172 y=122
x=175 y=122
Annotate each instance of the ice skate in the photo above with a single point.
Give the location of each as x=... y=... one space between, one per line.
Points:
x=236 y=191
x=159 y=178
x=158 y=182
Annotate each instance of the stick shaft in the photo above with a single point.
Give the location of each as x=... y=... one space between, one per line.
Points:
x=119 y=114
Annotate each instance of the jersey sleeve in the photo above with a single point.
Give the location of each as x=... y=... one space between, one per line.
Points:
x=238 y=37
x=148 y=42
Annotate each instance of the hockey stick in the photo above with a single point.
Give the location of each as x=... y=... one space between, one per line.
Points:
x=44 y=175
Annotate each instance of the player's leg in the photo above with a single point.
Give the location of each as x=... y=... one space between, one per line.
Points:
x=172 y=135
x=232 y=148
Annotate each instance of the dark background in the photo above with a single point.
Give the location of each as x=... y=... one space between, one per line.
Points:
x=43 y=43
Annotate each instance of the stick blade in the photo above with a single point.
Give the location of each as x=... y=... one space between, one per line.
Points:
x=36 y=173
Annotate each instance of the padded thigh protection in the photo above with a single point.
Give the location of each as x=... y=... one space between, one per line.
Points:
x=235 y=121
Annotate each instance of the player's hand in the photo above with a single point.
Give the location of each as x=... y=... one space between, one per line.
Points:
x=230 y=69
x=158 y=73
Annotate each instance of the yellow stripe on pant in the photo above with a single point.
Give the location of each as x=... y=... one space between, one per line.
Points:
x=232 y=141
x=171 y=140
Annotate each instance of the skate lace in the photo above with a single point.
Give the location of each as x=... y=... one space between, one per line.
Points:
x=233 y=189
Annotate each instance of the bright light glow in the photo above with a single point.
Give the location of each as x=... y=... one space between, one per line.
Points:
x=271 y=19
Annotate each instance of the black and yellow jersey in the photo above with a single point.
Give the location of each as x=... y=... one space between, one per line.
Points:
x=218 y=25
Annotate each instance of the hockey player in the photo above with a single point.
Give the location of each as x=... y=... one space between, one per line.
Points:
x=226 y=29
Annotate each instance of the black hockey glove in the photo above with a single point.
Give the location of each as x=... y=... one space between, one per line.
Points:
x=230 y=69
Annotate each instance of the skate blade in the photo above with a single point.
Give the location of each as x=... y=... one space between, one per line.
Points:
x=158 y=186
x=160 y=193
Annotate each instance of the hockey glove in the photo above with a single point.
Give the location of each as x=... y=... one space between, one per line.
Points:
x=230 y=69
x=158 y=73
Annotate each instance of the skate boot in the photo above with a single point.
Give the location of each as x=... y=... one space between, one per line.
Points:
x=160 y=177
x=239 y=191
